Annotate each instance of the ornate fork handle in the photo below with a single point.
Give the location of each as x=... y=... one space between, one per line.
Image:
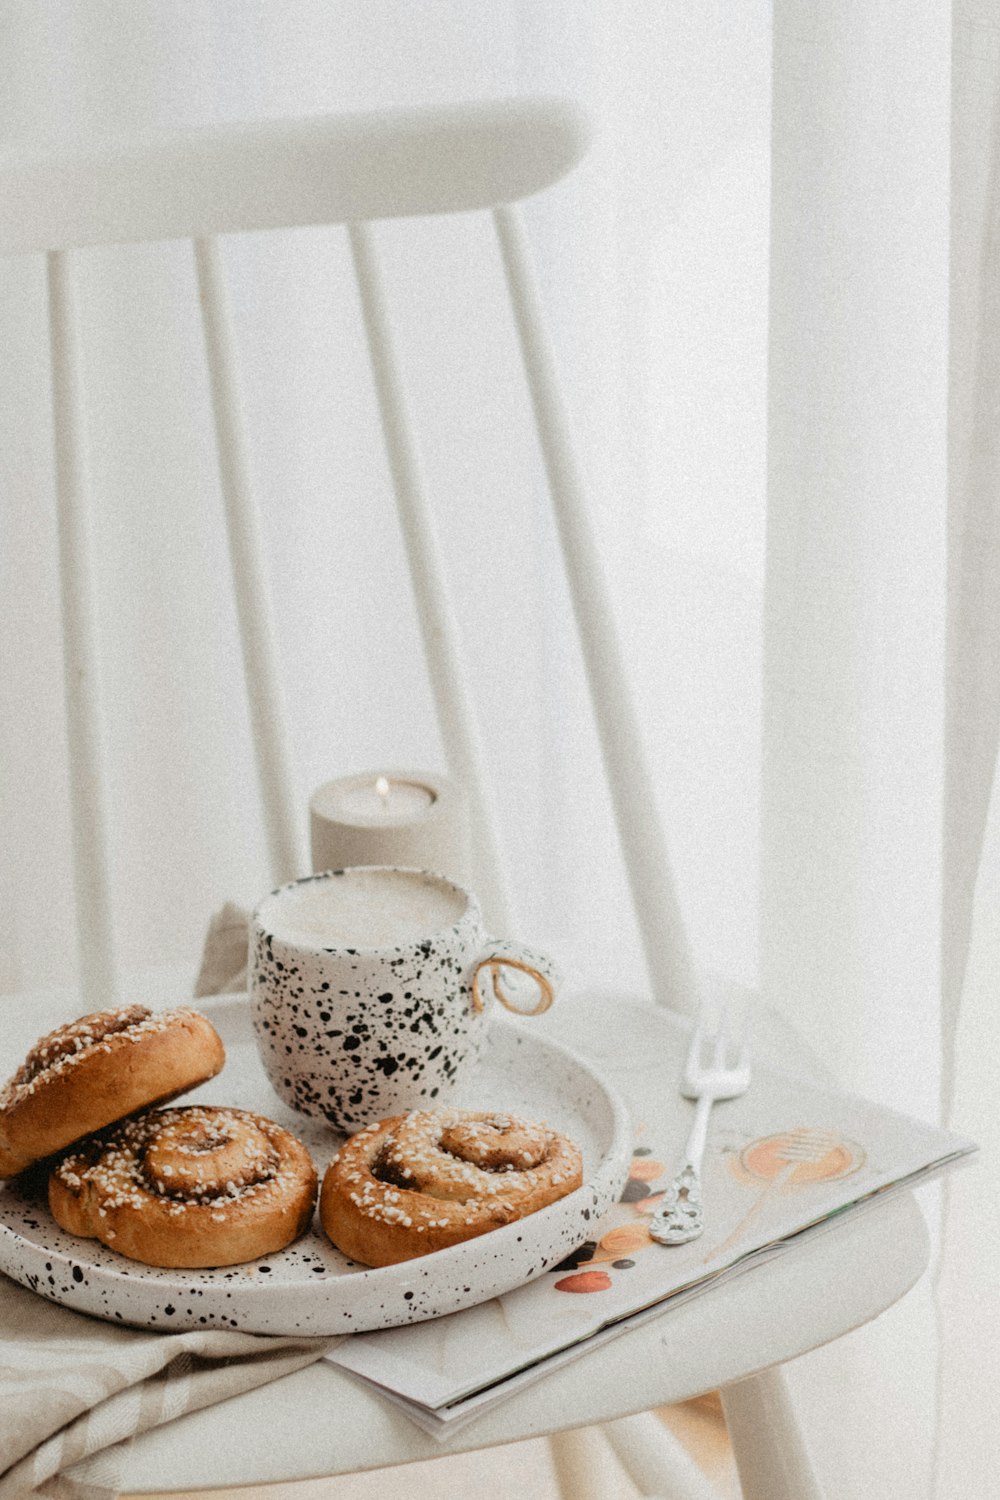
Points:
x=679 y=1217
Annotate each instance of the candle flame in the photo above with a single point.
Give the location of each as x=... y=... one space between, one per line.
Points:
x=382 y=787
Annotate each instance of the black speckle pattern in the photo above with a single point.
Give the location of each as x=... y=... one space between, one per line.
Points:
x=351 y=1036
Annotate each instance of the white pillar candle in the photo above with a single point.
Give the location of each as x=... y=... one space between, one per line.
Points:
x=418 y=819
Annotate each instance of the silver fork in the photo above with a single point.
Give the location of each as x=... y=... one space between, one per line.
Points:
x=725 y=1075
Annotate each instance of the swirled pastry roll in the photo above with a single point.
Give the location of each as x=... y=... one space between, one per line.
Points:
x=191 y=1186
x=98 y=1069
x=420 y=1182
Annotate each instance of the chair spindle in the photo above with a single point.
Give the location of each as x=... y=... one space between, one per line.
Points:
x=268 y=715
x=88 y=797
x=661 y=923
x=455 y=712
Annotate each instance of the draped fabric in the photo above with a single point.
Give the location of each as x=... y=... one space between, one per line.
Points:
x=969 y=1372
x=879 y=852
x=773 y=291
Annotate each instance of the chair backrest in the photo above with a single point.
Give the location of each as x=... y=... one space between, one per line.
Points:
x=353 y=170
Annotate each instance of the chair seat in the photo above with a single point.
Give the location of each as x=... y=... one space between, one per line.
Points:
x=321 y=1421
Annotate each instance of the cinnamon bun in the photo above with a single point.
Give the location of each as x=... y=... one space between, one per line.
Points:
x=415 y=1183
x=97 y=1069
x=193 y=1186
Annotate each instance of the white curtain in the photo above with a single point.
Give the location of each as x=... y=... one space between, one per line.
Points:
x=773 y=291
x=879 y=844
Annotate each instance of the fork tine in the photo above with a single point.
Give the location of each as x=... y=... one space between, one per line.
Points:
x=694 y=1047
x=723 y=1027
x=740 y=1032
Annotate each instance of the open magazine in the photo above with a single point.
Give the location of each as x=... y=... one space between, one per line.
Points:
x=782 y=1161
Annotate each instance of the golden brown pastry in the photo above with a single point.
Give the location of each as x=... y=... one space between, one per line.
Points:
x=191 y=1186
x=420 y=1182
x=96 y=1070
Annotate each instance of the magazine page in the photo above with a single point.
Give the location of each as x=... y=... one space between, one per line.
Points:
x=785 y=1156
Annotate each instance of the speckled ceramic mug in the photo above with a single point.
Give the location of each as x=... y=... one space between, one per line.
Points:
x=371 y=990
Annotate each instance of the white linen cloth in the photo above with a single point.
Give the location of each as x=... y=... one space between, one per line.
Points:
x=74 y=1390
x=224 y=961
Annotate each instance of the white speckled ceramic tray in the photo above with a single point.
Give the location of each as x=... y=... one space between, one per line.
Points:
x=311 y=1288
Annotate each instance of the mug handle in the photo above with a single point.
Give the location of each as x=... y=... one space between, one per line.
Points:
x=511 y=956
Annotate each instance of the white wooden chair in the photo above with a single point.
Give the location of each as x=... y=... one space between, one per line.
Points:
x=203 y=184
